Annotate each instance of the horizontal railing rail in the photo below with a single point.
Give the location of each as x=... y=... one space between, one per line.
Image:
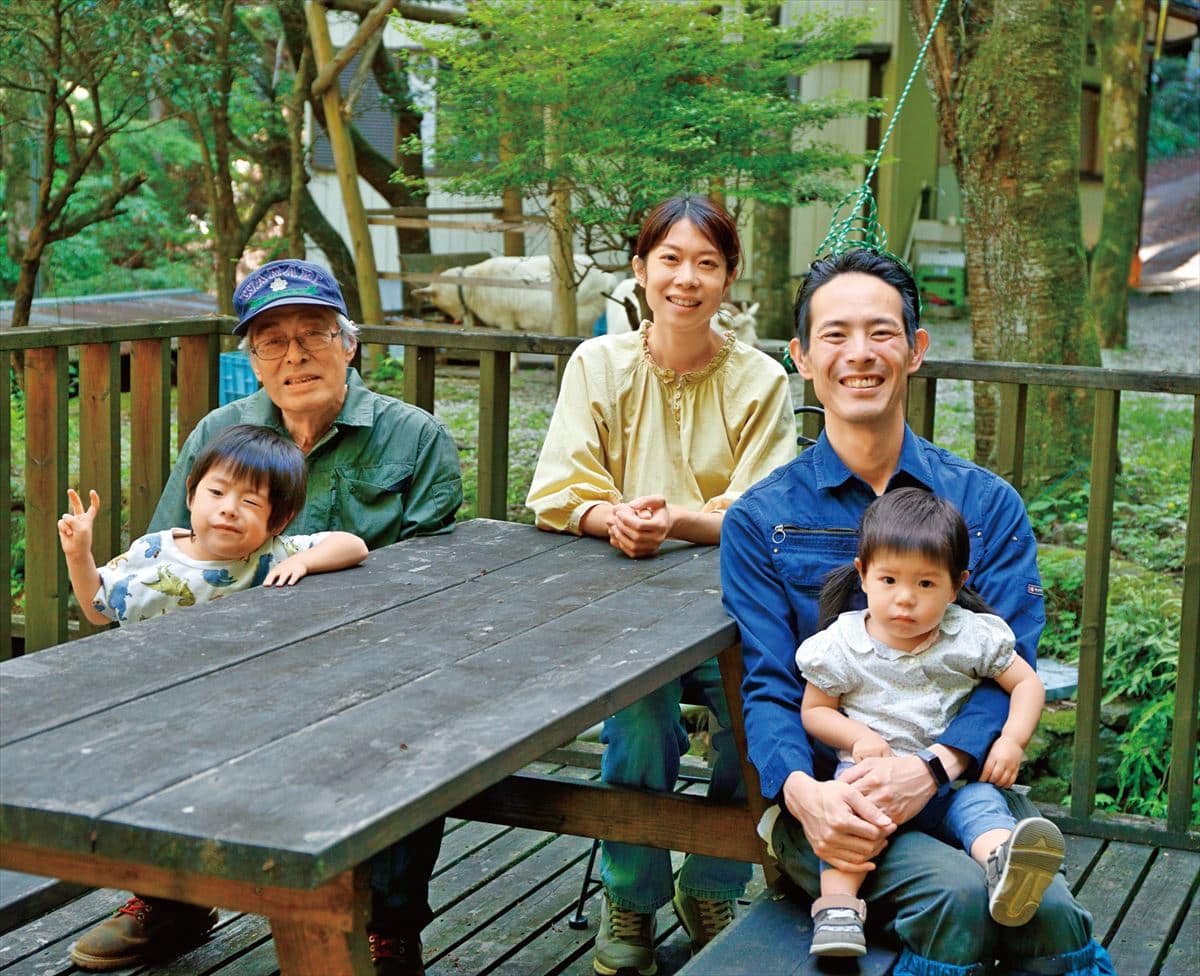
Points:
x=97 y=350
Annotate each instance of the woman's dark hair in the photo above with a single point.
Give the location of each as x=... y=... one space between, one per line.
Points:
x=257 y=455
x=906 y=520
x=711 y=220
x=884 y=268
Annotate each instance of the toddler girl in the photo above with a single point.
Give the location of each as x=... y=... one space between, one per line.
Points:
x=887 y=681
x=244 y=489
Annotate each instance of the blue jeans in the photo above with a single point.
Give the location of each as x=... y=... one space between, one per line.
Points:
x=400 y=879
x=933 y=899
x=960 y=816
x=644 y=743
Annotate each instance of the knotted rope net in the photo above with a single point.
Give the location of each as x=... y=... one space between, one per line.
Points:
x=855 y=224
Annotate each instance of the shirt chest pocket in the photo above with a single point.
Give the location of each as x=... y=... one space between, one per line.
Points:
x=805 y=556
x=369 y=501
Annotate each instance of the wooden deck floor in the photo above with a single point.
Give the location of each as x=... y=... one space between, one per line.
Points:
x=502 y=898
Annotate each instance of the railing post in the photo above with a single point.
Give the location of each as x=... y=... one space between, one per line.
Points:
x=813 y=423
x=922 y=405
x=492 y=484
x=418 y=375
x=46 y=583
x=197 y=371
x=100 y=447
x=1010 y=449
x=1095 y=601
x=150 y=389
x=1183 y=736
x=6 y=642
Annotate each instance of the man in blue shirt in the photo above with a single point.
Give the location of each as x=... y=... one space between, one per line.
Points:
x=858 y=341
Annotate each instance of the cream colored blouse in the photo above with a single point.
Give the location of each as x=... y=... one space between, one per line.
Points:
x=625 y=427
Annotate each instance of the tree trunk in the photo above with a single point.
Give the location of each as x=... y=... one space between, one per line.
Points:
x=1018 y=171
x=1122 y=37
x=772 y=237
x=341 y=261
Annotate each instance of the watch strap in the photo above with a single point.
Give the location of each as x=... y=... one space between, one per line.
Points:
x=940 y=777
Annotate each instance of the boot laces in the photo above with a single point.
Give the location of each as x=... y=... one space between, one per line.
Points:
x=624 y=924
x=135 y=907
x=385 y=947
x=715 y=915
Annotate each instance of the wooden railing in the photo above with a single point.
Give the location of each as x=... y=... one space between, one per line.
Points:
x=98 y=349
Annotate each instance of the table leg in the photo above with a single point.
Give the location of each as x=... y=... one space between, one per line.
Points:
x=336 y=943
x=730 y=660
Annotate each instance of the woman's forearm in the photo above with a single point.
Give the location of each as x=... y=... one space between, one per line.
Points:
x=703 y=528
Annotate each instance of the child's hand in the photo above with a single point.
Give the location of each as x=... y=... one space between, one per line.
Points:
x=1003 y=763
x=287 y=573
x=75 y=527
x=870 y=744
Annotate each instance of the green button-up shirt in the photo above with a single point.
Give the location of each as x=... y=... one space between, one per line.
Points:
x=385 y=470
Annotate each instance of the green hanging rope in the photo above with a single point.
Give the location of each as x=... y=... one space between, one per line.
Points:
x=860 y=228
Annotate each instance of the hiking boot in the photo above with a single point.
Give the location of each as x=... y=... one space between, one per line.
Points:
x=397 y=953
x=142 y=929
x=625 y=941
x=702 y=918
x=1020 y=870
x=838 y=926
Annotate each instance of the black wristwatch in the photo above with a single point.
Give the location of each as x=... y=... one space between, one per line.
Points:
x=936 y=770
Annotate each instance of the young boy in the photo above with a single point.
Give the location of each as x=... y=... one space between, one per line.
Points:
x=244 y=489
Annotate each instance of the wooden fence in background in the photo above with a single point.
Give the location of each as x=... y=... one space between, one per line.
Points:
x=189 y=348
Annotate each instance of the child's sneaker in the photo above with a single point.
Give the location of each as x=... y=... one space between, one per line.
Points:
x=1020 y=870
x=838 y=926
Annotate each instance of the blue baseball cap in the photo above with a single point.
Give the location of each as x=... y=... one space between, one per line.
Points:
x=287 y=282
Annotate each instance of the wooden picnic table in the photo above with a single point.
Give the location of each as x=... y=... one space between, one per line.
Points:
x=255 y=752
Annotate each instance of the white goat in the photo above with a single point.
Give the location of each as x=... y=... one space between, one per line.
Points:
x=624 y=313
x=518 y=309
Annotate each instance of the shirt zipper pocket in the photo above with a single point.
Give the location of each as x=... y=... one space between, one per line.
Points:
x=780 y=532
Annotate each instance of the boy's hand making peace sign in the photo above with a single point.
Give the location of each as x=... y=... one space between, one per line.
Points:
x=75 y=526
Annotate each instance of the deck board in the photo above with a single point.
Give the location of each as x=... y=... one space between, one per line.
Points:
x=1183 y=959
x=1157 y=910
x=1082 y=853
x=1112 y=884
x=502 y=897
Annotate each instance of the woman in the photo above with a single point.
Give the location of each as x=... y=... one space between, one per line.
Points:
x=654 y=435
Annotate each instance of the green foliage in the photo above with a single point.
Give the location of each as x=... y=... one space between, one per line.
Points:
x=639 y=100
x=1174 y=109
x=1145 y=605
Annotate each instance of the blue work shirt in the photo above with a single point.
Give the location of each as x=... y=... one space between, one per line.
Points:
x=781 y=538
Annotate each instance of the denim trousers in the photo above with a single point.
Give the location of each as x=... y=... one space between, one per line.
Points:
x=644 y=743
x=400 y=878
x=933 y=899
x=960 y=816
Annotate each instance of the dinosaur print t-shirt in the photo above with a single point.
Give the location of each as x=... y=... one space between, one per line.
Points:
x=155 y=577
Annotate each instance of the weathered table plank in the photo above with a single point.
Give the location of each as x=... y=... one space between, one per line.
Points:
x=33 y=696
x=276 y=757
x=327 y=716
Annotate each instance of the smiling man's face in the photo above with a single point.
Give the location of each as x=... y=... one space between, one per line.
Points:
x=858 y=356
x=301 y=382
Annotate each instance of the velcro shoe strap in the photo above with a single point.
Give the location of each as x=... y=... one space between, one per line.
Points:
x=856 y=905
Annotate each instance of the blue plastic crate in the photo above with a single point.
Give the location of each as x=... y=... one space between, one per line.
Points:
x=237 y=378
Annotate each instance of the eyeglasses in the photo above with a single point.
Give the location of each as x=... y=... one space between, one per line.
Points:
x=277 y=346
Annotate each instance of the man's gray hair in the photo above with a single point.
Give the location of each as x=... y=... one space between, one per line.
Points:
x=347 y=328
x=349 y=331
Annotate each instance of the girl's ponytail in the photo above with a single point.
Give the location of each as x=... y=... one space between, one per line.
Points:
x=840 y=585
x=968 y=599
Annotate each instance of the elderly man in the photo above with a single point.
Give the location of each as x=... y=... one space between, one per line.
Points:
x=858 y=340
x=377 y=467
